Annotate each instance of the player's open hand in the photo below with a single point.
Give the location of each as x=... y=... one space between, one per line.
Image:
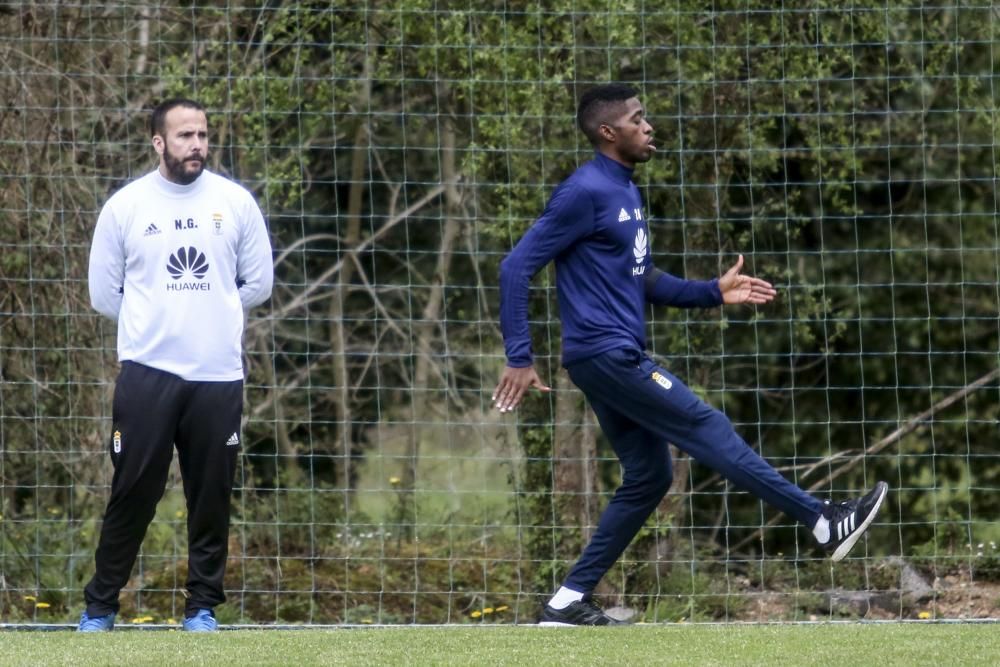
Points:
x=737 y=288
x=513 y=383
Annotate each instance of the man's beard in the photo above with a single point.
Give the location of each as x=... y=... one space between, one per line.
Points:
x=177 y=169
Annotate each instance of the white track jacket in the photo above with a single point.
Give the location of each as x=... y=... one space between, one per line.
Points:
x=177 y=265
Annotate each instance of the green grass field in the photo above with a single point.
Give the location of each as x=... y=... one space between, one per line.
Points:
x=772 y=645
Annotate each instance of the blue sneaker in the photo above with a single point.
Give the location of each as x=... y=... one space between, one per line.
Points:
x=96 y=623
x=202 y=621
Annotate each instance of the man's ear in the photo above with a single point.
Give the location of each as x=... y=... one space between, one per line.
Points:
x=158 y=144
x=607 y=133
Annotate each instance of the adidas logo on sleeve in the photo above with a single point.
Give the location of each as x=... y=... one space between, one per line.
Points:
x=234 y=441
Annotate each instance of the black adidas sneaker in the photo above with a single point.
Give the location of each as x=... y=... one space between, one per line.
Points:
x=850 y=519
x=581 y=612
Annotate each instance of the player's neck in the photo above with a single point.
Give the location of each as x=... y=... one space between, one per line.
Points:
x=611 y=154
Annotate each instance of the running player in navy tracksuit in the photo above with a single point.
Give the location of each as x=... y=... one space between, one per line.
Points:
x=595 y=229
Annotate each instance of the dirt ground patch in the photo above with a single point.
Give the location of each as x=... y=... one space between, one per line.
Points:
x=951 y=597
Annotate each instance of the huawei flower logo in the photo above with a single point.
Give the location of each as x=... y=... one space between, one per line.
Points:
x=188 y=261
x=641 y=245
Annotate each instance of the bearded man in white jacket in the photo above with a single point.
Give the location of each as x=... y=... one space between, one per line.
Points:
x=179 y=255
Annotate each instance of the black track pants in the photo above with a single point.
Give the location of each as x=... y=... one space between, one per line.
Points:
x=153 y=411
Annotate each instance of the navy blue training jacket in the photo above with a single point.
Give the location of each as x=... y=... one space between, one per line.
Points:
x=595 y=229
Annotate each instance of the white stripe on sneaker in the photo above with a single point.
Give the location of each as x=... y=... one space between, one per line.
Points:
x=852 y=538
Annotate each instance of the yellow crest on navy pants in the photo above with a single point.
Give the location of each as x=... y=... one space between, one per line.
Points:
x=662 y=380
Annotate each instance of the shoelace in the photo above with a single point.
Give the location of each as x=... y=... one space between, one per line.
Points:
x=593 y=608
x=840 y=508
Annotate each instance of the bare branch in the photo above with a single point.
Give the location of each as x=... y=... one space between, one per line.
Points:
x=897 y=435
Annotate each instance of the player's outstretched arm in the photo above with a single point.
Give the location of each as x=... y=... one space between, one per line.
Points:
x=513 y=383
x=738 y=288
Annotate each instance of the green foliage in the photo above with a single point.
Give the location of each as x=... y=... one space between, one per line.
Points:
x=692 y=594
x=958 y=548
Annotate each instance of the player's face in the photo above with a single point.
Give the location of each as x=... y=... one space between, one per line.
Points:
x=183 y=147
x=632 y=134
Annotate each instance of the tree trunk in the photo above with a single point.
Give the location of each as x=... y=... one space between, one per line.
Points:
x=427 y=326
x=350 y=236
x=670 y=515
x=574 y=476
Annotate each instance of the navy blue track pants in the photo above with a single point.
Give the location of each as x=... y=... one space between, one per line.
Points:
x=154 y=411
x=641 y=408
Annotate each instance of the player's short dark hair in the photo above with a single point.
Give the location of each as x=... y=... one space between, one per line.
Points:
x=158 y=119
x=597 y=104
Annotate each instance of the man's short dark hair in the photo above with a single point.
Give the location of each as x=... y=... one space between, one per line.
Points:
x=596 y=107
x=158 y=119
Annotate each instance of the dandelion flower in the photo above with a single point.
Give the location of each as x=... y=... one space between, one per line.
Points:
x=30 y=598
x=476 y=614
x=924 y=615
x=41 y=605
x=487 y=610
x=394 y=481
x=502 y=607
